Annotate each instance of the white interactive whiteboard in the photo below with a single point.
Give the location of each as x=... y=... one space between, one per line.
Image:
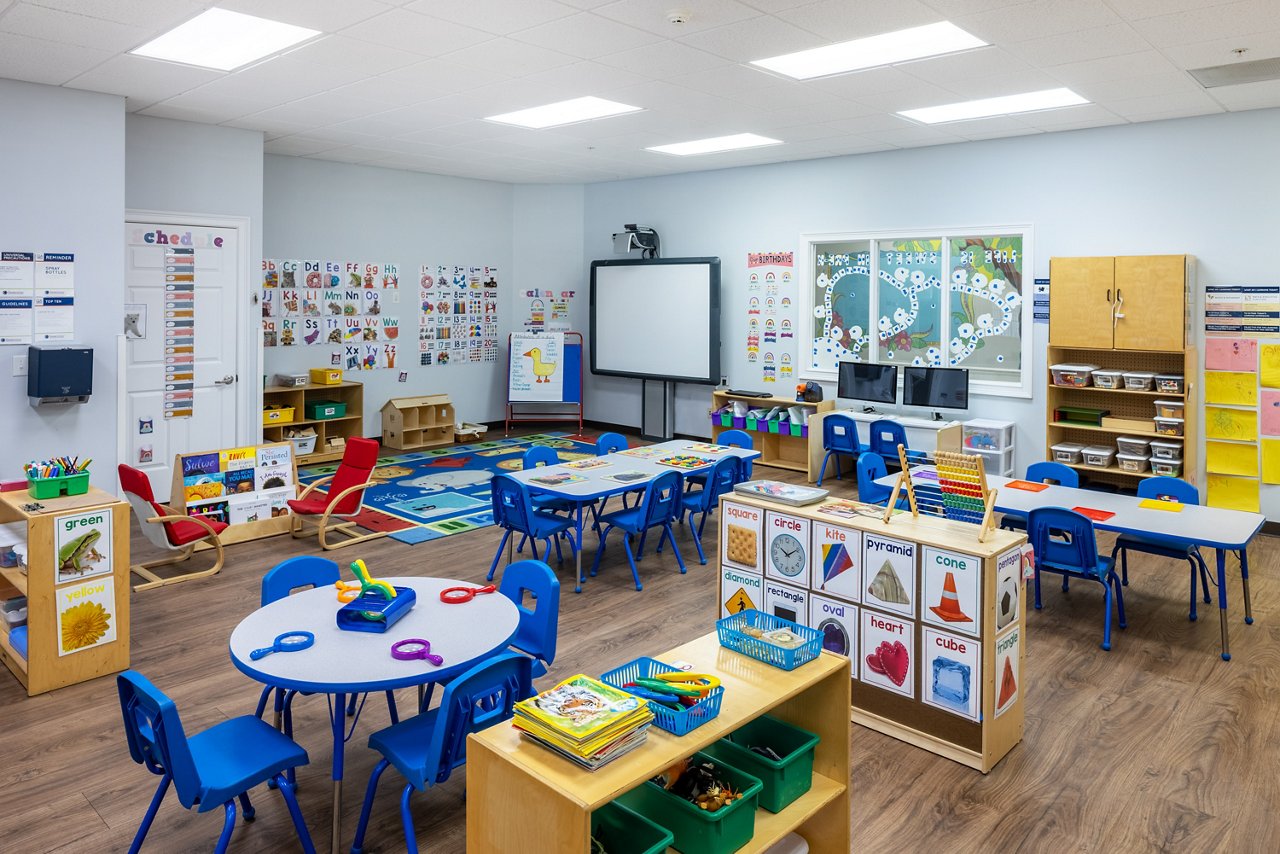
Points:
x=656 y=319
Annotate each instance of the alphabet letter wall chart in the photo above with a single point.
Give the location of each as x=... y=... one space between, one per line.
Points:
x=332 y=303
x=771 y=317
x=458 y=321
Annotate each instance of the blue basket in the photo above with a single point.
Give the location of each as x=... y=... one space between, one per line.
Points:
x=675 y=722
x=732 y=636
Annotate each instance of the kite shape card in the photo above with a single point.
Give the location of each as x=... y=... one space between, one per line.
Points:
x=740 y=591
x=837 y=562
x=1008 y=588
x=787 y=602
x=889 y=574
x=952 y=673
x=952 y=590
x=838 y=623
x=888 y=655
x=1008 y=671
x=741 y=536
x=787 y=550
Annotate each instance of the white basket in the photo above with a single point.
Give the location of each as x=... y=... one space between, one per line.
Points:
x=303 y=444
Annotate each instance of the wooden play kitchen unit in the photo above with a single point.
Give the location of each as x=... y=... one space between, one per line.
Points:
x=522 y=796
x=76 y=581
x=932 y=618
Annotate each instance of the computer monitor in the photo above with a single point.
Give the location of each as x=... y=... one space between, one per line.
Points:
x=935 y=388
x=872 y=383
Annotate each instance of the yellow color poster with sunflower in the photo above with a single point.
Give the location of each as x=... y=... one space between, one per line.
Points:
x=86 y=615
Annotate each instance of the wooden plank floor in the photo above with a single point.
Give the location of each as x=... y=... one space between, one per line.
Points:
x=1156 y=746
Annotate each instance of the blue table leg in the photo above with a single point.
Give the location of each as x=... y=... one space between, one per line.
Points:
x=338 y=718
x=578 y=557
x=1244 y=576
x=1222 y=602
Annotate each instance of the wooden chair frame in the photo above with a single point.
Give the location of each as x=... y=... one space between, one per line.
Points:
x=299 y=527
x=185 y=552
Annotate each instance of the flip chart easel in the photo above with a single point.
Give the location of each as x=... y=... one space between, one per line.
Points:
x=571 y=395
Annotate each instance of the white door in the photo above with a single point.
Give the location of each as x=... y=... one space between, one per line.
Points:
x=152 y=439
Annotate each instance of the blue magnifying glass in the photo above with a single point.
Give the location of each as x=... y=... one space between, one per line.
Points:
x=287 y=642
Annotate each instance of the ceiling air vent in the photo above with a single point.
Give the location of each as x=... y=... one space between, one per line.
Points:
x=1236 y=73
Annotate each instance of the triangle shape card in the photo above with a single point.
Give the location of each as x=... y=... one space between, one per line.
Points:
x=1008 y=687
x=887 y=587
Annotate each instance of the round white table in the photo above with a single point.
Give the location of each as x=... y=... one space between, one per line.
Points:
x=342 y=663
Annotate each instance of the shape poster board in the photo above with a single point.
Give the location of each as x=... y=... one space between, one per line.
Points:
x=838 y=622
x=888 y=653
x=86 y=615
x=787 y=602
x=740 y=591
x=787 y=554
x=1008 y=588
x=837 y=562
x=740 y=536
x=889 y=573
x=952 y=674
x=537 y=368
x=1008 y=673
x=83 y=542
x=952 y=590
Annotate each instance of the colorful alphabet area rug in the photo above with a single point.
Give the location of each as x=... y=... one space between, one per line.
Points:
x=425 y=495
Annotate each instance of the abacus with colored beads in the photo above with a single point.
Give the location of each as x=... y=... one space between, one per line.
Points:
x=961 y=493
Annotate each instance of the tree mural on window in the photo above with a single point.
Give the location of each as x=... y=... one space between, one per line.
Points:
x=986 y=304
x=910 y=310
x=842 y=302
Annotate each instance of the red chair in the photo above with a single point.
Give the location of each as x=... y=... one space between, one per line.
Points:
x=166 y=528
x=343 y=497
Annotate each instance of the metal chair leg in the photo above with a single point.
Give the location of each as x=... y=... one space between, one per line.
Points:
x=406 y=818
x=228 y=825
x=357 y=845
x=287 y=791
x=246 y=808
x=150 y=816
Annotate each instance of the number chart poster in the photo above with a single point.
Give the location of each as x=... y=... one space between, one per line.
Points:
x=537 y=367
x=86 y=615
x=771 y=318
x=458 y=315
x=83 y=542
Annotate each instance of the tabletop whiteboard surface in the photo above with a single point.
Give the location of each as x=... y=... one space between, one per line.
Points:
x=356 y=662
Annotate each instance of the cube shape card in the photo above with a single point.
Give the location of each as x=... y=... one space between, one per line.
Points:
x=888 y=654
x=740 y=591
x=741 y=536
x=787 y=549
x=838 y=622
x=787 y=602
x=952 y=675
x=952 y=590
x=1008 y=588
x=889 y=574
x=837 y=562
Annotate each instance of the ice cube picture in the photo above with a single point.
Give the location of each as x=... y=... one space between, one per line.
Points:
x=951 y=682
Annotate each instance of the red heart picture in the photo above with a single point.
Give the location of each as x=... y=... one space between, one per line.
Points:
x=892 y=660
x=873 y=661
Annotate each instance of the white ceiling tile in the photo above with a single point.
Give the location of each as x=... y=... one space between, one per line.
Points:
x=993 y=126
x=157 y=15
x=1003 y=84
x=957 y=8
x=320 y=110
x=586 y=4
x=1249 y=96
x=976 y=135
x=873 y=81
x=225 y=105
x=409 y=31
x=652 y=15
x=166 y=110
x=1182 y=103
x=1239 y=19
x=830 y=109
x=663 y=60
x=1083 y=115
x=351 y=154
x=349 y=54
x=1112 y=67
x=1102 y=120
x=143 y=78
x=1036 y=19
x=494 y=16
x=398 y=122
x=1203 y=54
x=840 y=20
x=509 y=57
x=754 y=38
x=1135 y=9
x=433 y=78
x=920 y=95
x=70 y=28
x=585 y=35
x=328 y=16
x=39 y=61
x=912 y=137
x=297 y=145
x=876 y=122
x=271 y=128
x=772 y=6
x=505 y=97
x=1170 y=83
x=983 y=62
x=347 y=133
x=1093 y=43
x=588 y=78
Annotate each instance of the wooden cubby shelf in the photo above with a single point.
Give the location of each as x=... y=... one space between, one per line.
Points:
x=328 y=430
x=780 y=450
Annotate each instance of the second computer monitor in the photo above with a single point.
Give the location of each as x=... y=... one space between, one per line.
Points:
x=872 y=383
x=935 y=388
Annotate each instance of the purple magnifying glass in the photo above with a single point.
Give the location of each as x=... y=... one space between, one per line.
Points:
x=412 y=648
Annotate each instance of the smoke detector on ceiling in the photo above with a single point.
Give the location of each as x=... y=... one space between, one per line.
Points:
x=678 y=16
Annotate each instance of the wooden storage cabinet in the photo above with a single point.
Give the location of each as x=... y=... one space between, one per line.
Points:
x=522 y=796
x=1136 y=302
x=345 y=427
x=44 y=669
x=413 y=423
x=779 y=450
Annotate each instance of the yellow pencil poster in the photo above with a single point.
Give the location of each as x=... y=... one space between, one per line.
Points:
x=86 y=615
x=1240 y=425
x=1234 y=388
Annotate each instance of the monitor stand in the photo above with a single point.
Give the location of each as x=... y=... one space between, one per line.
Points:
x=871 y=410
x=937 y=416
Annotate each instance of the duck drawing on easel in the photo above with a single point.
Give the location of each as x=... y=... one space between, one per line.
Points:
x=542 y=371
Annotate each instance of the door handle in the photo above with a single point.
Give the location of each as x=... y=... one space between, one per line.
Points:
x=227 y=380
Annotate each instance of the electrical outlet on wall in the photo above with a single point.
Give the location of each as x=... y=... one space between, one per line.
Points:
x=19 y=366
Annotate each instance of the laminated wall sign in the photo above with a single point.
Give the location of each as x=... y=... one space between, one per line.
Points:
x=770 y=306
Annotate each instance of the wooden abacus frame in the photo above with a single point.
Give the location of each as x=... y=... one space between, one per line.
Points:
x=968 y=468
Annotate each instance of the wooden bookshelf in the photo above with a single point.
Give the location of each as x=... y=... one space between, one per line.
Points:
x=331 y=433
x=788 y=450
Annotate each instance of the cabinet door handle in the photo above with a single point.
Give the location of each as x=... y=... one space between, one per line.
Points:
x=1108 y=294
x=1119 y=305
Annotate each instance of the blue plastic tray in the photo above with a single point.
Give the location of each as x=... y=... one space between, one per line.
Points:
x=350 y=615
x=732 y=636
x=675 y=722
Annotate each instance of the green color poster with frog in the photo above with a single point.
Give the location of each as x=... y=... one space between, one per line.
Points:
x=83 y=545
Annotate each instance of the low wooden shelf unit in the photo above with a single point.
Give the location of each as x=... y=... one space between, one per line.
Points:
x=331 y=433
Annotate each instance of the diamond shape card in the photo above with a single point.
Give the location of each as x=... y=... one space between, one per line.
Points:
x=1008 y=588
x=740 y=591
x=1008 y=669
x=888 y=654
x=837 y=562
x=889 y=574
x=787 y=549
x=952 y=595
x=741 y=536
x=952 y=673
x=838 y=622
x=787 y=602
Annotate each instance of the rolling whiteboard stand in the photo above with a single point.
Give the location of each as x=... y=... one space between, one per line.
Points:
x=657 y=429
x=544 y=383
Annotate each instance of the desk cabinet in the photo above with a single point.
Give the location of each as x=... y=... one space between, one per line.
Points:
x=93 y=640
x=1137 y=302
x=791 y=450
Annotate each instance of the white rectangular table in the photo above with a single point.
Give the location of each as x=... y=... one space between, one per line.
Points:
x=595 y=484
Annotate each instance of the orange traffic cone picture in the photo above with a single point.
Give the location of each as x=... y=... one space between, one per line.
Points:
x=1008 y=687
x=949 y=607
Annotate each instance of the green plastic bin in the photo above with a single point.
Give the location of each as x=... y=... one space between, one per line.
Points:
x=784 y=780
x=624 y=831
x=775 y=426
x=319 y=410
x=753 y=423
x=41 y=488
x=698 y=831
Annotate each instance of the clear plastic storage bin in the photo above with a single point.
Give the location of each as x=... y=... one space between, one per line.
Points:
x=1161 y=450
x=1098 y=456
x=1133 y=445
x=1134 y=463
x=1167 y=468
x=1108 y=378
x=1169 y=408
x=1139 y=380
x=1168 y=426
x=1068 y=452
x=1170 y=384
x=981 y=435
x=1074 y=376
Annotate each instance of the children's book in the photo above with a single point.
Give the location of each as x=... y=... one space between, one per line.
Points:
x=557 y=478
x=843 y=509
x=628 y=476
x=588 y=463
x=783 y=493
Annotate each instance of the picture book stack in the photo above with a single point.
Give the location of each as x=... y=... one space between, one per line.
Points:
x=585 y=720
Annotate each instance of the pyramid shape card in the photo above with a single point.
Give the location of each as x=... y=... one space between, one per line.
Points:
x=740 y=591
x=890 y=574
x=837 y=562
x=952 y=590
x=1008 y=588
x=952 y=674
x=838 y=622
x=887 y=657
x=1008 y=653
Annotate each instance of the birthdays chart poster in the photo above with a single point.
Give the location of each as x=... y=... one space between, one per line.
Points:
x=332 y=303
x=458 y=317
x=37 y=297
x=771 y=319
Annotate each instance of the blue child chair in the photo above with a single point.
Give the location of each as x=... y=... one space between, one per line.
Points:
x=610 y=443
x=536 y=457
x=738 y=439
x=514 y=512
x=1073 y=558
x=539 y=626
x=210 y=769
x=1041 y=472
x=870 y=469
x=659 y=508
x=427 y=747
x=724 y=474
x=839 y=436
x=1166 y=489
x=884 y=437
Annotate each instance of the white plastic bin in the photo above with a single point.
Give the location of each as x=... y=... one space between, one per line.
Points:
x=1068 y=452
x=1108 y=378
x=1139 y=380
x=1073 y=376
x=981 y=435
x=1098 y=456
x=1134 y=463
x=1167 y=468
x=1133 y=445
x=1163 y=450
x=1170 y=384
x=1169 y=408
x=1168 y=426
x=996 y=462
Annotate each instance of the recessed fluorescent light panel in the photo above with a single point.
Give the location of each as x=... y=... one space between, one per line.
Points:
x=716 y=143
x=564 y=113
x=224 y=40
x=885 y=49
x=1046 y=99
